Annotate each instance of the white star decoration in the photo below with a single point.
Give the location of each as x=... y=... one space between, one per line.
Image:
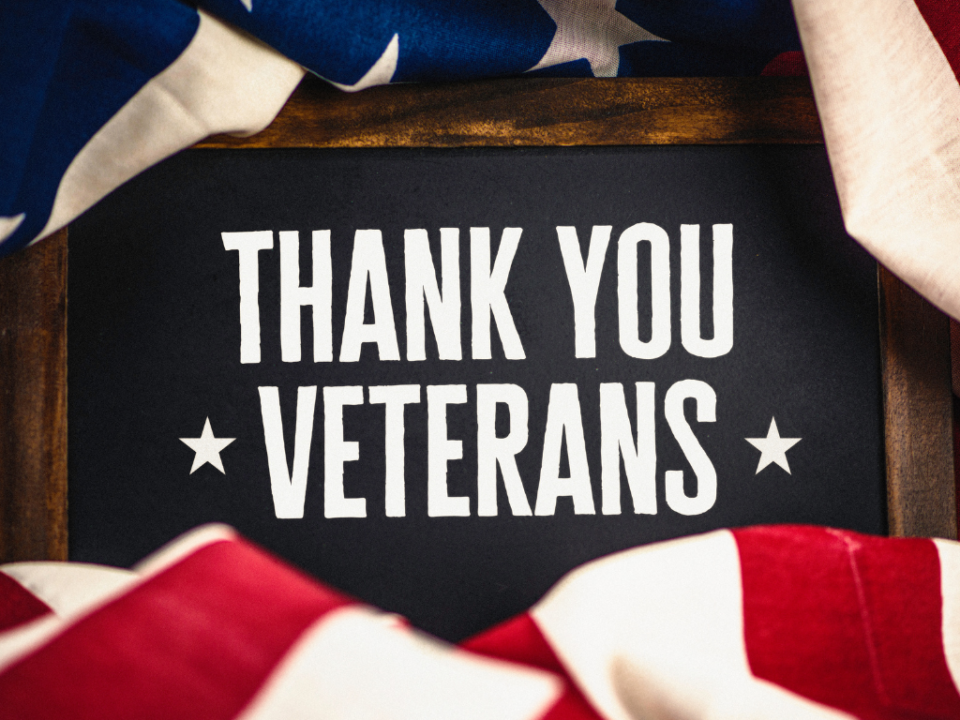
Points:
x=590 y=29
x=773 y=448
x=207 y=448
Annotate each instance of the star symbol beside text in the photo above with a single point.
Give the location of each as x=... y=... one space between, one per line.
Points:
x=207 y=448
x=773 y=448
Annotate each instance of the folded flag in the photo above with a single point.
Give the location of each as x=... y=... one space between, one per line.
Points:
x=92 y=93
x=884 y=75
x=213 y=627
x=765 y=622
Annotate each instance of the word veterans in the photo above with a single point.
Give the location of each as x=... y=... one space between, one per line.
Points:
x=564 y=427
x=433 y=298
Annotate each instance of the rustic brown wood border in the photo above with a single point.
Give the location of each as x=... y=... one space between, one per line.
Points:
x=525 y=112
x=531 y=112
x=33 y=402
x=918 y=413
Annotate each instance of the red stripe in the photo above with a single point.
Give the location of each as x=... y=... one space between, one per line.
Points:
x=520 y=640
x=195 y=641
x=17 y=604
x=943 y=17
x=848 y=620
x=571 y=706
x=788 y=64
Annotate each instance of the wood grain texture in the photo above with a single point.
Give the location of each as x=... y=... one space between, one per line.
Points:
x=33 y=402
x=915 y=345
x=520 y=112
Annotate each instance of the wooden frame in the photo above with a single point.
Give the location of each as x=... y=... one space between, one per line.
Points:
x=493 y=113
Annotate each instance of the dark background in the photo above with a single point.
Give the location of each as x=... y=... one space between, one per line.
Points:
x=154 y=349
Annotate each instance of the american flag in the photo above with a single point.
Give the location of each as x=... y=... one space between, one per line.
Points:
x=765 y=622
x=95 y=92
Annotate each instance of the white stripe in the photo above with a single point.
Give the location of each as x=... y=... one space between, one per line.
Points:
x=24 y=639
x=657 y=632
x=224 y=81
x=889 y=104
x=949 y=552
x=357 y=664
x=9 y=225
x=69 y=588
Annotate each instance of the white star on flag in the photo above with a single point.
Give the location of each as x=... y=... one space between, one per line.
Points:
x=207 y=448
x=592 y=30
x=773 y=448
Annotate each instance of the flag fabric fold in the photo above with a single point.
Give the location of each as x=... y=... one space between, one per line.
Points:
x=112 y=89
x=92 y=93
x=785 y=621
x=884 y=78
x=213 y=627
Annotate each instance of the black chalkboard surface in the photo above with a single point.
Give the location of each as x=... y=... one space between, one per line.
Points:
x=731 y=376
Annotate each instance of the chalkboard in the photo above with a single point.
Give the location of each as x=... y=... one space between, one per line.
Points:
x=506 y=113
x=447 y=430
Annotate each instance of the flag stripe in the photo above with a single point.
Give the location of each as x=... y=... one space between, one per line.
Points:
x=848 y=620
x=888 y=103
x=781 y=621
x=357 y=663
x=70 y=588
x=943 y=17
x=194 y=641
x=223 y=82
x=67 y=66
x=17 y=604
x=658 y=632
x=571 y=706
x=520 y=640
